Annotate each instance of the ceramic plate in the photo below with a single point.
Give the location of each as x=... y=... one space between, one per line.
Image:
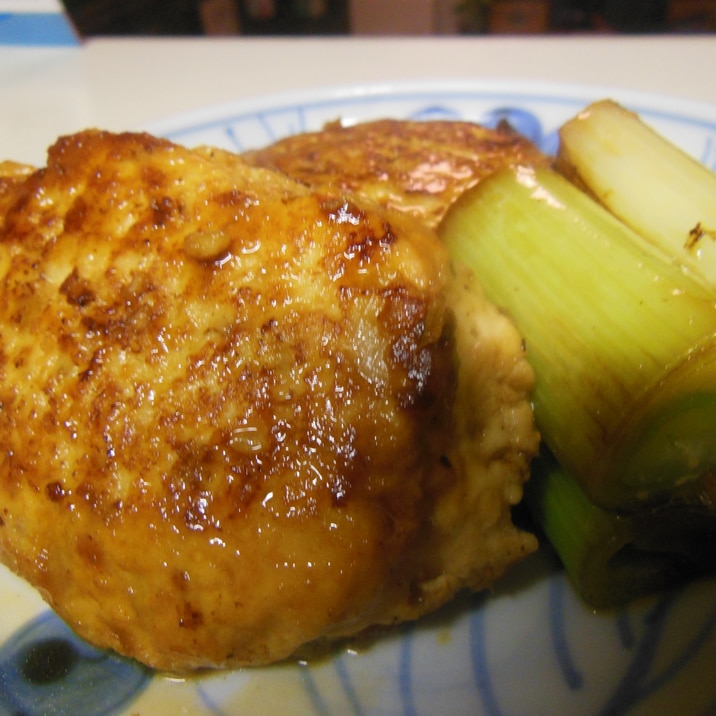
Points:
x=530 y=648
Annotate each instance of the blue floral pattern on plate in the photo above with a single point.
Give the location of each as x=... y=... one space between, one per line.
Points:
x=45 y=668
x=528 y=649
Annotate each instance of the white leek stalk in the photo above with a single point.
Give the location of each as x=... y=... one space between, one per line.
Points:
x=652 y=185
x=617 y=335
x=623 y=343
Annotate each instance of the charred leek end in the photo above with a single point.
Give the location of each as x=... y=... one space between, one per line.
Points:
x=649 y=183
x=622 y=341
x=612 y=558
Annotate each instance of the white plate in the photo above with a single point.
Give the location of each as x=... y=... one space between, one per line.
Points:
x=529 y=649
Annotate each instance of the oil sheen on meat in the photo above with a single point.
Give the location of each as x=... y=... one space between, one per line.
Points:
x=416 y=167
x=239 y=415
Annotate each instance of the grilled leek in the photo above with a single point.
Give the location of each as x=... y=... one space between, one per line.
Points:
x=623 y=343
x=614 y=557
x=654 y=186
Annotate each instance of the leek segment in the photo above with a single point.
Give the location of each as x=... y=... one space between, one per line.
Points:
x=611 y=557
x=622 y=342
x=649 y=183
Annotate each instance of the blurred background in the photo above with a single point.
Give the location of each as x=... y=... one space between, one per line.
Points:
x=388 y=17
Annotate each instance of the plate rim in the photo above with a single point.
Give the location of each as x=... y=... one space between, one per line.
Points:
x=663 y=106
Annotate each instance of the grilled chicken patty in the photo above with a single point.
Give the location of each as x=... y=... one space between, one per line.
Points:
x=415 y=167
x=239 y=414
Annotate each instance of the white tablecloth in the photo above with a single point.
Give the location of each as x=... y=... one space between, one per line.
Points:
x=130 y=83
